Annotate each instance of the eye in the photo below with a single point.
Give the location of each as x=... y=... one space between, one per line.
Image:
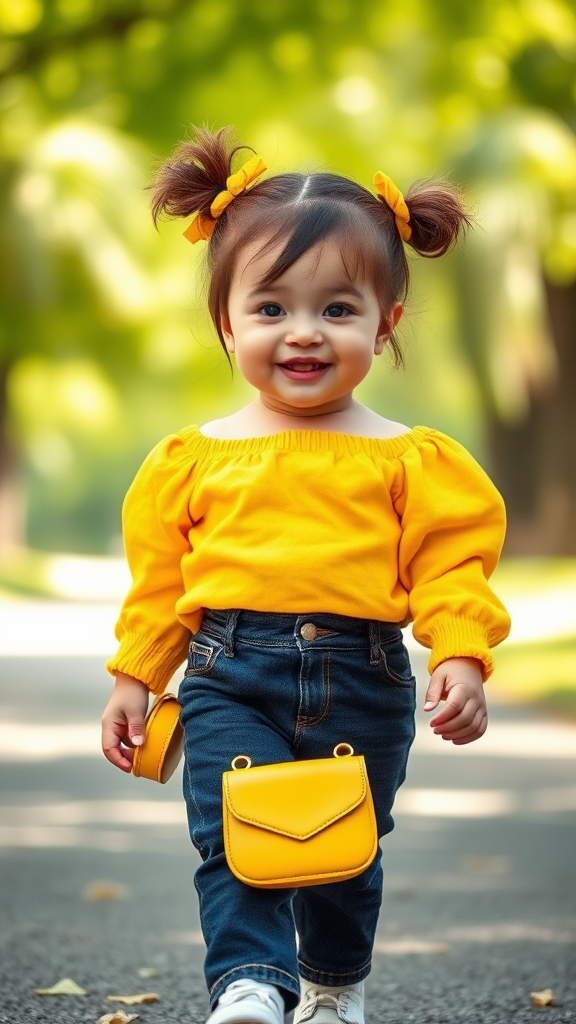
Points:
x=336 y=310
x=271 y=309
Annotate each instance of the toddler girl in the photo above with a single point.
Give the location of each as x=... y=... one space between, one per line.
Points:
x=282 y=548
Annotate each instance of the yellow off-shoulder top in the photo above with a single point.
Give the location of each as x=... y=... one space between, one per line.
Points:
x=402 y=529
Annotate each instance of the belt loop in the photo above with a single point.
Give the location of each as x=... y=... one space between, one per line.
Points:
x=231 y=620
x=374 y=634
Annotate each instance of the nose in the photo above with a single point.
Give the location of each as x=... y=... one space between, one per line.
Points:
x=304 y=333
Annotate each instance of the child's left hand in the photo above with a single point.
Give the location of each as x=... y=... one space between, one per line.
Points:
x=458 y=681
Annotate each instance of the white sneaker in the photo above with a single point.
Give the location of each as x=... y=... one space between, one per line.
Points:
x=323 y=1004
x=248 y=1002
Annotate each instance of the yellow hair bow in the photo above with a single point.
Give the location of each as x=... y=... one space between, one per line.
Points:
x=393 y=197
x=201 y=226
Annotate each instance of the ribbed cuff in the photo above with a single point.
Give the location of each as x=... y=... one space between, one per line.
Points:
x=153 y=664
x=460 y=638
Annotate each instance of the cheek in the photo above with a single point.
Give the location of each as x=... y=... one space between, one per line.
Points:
x=357 y=362
x=364 y=361
x=251 y=360
x=361 y=350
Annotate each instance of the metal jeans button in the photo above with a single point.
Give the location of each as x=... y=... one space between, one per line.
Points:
x=309 y=631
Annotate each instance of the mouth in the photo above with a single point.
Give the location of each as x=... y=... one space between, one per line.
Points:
x=303 y=369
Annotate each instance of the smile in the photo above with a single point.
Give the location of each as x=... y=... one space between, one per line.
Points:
x=301 y=369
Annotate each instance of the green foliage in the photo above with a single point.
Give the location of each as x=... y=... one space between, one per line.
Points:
x=102 y=321
x=537 y=663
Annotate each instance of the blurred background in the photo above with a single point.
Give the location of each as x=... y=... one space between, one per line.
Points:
x=105 y=345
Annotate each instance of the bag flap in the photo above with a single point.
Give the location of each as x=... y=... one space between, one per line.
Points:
x=299 y=798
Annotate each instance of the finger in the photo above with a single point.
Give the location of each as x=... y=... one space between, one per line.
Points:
x=127 y=753
x=454 y=706
x=136 y=729
x=462 y=720
x=434 y=692
x=466 y=730
x=473 y=736
x=117 y=758
x=111 y=740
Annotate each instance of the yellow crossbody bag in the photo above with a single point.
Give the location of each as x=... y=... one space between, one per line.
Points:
x=299 y=823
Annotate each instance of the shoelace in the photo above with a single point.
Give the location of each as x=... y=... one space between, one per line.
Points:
x=241 y=989
x=342 y=1003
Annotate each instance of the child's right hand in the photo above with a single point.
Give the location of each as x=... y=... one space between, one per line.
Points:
x=123 y=720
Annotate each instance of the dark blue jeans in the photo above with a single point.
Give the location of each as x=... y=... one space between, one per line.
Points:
x=282 y=687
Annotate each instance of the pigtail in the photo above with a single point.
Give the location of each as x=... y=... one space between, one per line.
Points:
x=437 y=216
x=189 y=181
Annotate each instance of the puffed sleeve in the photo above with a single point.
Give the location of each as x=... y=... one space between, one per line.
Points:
x=156 y=524
x=453 y=526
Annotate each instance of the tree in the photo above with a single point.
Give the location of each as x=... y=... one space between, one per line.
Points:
x=73 y=283
x=517 y=318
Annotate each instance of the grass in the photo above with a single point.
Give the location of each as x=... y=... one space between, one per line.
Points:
x=537 y=673
x=25 y=572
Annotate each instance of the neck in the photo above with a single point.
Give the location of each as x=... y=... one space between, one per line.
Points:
x=288 y=417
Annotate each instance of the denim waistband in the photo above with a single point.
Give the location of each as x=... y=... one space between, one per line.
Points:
x=313 y=629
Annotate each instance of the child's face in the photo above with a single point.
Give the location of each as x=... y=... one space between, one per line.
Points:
x=307 y=340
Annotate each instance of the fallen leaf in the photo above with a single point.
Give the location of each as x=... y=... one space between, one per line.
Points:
x=118 y=1017
x=544 y=998
x=103 y=890
x=65 y=987
x=143 y=997
x=148 y=972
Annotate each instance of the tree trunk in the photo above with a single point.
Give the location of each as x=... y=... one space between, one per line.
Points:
x=534 y=463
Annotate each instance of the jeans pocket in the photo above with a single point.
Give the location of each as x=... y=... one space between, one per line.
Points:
x=396 y=664
x=202 y=656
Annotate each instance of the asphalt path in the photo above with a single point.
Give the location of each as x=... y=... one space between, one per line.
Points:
x=480 y=906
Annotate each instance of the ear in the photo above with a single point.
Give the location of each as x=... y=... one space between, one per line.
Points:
x=226 y=329
x=387 y=325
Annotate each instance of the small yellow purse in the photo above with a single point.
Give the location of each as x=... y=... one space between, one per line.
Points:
x=300 y=822
x=159 y=755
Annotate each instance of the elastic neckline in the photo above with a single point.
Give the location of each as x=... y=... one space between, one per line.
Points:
x=306 y=441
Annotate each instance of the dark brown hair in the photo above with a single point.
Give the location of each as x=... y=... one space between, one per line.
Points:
x=302 y=210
